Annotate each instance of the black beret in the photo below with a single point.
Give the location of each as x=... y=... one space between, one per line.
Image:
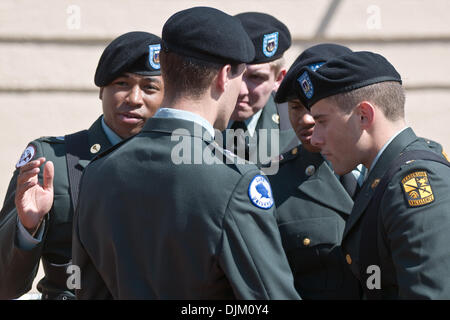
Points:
x=208 y=35
x=342 y=74
x=134 y=52
x=270 y=36
x=313 y=58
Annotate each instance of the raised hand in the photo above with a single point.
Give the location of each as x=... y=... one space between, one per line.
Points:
x=33 y=201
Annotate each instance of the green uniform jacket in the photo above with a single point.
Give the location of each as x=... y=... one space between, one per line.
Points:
x=413 y=240
x=270 y=119
x=18 y=267
x=312 y=207
x=160 y=229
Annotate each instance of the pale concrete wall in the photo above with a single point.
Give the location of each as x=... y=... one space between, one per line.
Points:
x=49 y=50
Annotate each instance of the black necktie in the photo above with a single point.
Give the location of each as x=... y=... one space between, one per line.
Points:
x=350 y=184
x=240 y=138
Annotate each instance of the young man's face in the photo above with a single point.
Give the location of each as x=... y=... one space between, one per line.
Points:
x=258 y=82
x=303 y=123
x=129 y=101
x=234 y=85
x=337 y=135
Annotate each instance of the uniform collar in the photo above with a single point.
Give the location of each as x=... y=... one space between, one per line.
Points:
x=384 y=148
x=185 y=115
x=110 y=134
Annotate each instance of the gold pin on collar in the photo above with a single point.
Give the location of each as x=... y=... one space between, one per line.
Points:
x=276 y=118
x=375 y=183
x=95 y=148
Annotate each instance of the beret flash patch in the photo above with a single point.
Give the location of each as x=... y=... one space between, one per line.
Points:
x=417 y=189
x=270 y=44
x=153 y=55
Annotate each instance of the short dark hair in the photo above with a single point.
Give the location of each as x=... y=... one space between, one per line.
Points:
x=389 y=96
x=188 y=76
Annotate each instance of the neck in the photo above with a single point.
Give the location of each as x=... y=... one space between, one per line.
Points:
x=380 y=136
x=202 y=106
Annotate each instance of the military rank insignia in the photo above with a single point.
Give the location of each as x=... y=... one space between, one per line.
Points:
x=153 y=55
x=260 y=193
x=417 y=189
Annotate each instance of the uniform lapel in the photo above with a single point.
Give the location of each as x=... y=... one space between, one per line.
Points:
x=270 y=119
x=397 y=145
x=98 y=142
x=323 y=186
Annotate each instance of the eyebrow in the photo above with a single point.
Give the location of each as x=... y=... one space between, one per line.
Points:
x=150 y=78
x=260 y=74
x=319 y=116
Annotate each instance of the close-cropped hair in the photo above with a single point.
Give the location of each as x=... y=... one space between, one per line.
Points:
x=184 y=76
x=277 y=65
x=389 y=96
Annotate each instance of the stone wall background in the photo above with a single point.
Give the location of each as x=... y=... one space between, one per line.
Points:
x=49 y=50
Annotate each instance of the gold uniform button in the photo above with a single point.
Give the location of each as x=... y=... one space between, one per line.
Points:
x=306 y=242
x=95 y=148
x=348 y=258
x=294 y=151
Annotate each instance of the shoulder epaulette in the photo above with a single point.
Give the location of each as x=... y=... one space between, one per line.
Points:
x=289 y=155
x=52 y=139
x=229 y=158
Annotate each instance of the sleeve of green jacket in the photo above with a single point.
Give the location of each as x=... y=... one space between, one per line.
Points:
x=418 y=236
x=18 y=267
x=252 y=255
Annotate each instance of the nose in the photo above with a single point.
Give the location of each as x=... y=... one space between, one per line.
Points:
x=244 y=88
x=317 y=138
x=135 y=96
x=307 y=119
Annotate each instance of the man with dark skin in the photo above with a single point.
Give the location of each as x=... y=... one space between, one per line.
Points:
x=36 y=218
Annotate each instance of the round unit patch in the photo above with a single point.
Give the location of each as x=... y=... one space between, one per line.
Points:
x=260 y=193
x=26 y=156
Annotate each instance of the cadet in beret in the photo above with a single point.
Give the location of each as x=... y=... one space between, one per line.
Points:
x=311 y=224
x=36 y=218
x=256 y=113
x=200 y=227
x=396 y=238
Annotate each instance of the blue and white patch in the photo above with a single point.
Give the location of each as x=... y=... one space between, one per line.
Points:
x=270 y=44
x=260 y=193
x=313 y=67
x=153 y=55
x=306 y=85
x=26 y=156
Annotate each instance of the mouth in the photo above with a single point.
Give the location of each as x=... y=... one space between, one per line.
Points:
x=306 y=133
x=130 y=117
x=242 y=103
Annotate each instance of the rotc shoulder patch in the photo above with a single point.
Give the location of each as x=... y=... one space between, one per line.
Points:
x=260 y=193
x=417 y=189
x=26 y=156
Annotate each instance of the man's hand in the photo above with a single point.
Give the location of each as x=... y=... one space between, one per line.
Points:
x=32 y=200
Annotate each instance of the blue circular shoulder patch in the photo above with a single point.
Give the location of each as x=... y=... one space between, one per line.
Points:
x=260 y=193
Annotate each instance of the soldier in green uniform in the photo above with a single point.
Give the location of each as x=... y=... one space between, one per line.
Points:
x=36 y=218
x=396 y=238
x=311 y=224
x=175 y=220
x=256 y=113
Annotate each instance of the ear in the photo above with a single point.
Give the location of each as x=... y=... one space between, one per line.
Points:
x=100 y=94
x=222 y=77
x=366 y=113
x=279 y=78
